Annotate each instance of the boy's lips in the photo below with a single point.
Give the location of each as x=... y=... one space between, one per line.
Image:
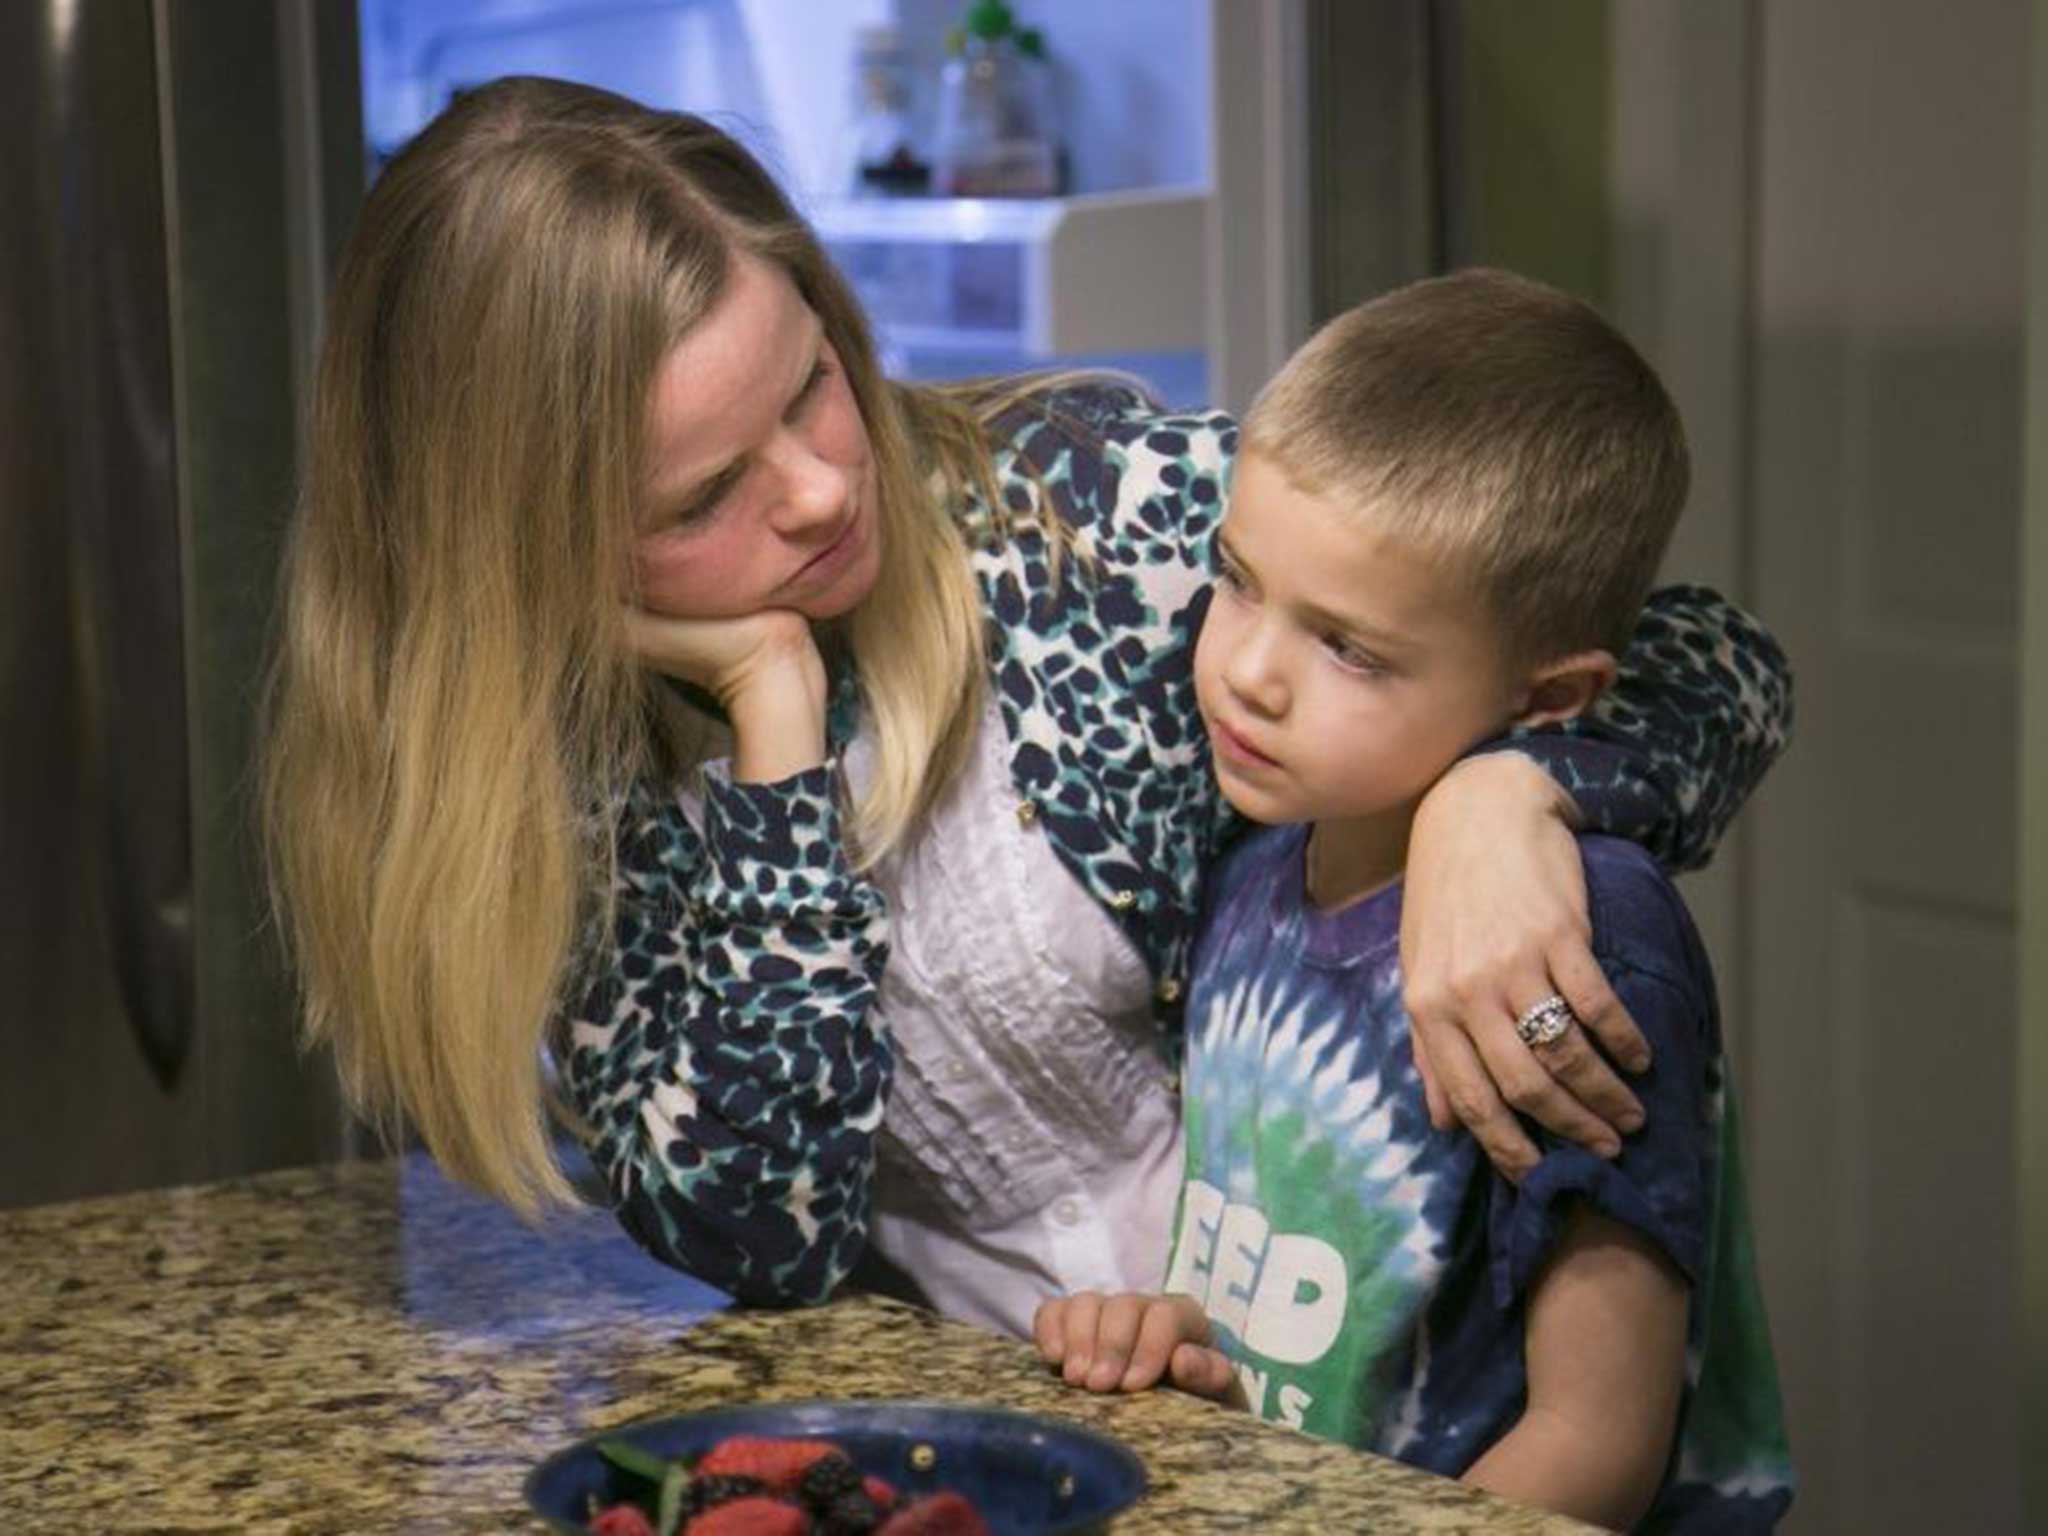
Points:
x=1235 y=748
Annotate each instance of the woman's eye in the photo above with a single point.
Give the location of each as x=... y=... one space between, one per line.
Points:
x=703 y=507
x=1229 y=577
x=820 y=372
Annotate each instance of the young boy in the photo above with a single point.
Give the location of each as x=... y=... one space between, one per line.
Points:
x=1447 y=511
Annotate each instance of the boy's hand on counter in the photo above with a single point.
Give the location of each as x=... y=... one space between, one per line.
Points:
x=1129 y=1342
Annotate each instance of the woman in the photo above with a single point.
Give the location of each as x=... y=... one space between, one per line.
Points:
x=807 y=765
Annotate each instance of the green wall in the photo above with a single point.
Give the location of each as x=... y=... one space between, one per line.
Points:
x=1537 y=127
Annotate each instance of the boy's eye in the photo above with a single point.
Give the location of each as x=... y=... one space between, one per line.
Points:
x=1352 y=658
x=1229 y=576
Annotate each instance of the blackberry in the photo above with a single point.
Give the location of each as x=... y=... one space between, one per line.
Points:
x=850 y=1514
x=709 y=1492
x=826 y=1480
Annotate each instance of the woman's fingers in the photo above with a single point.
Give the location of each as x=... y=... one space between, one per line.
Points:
x=1583 y=985
x=1433 y=1098
x=1576 y=1065
x=1469 y=1095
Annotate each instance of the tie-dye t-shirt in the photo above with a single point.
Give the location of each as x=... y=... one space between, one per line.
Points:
x=1369 y=1274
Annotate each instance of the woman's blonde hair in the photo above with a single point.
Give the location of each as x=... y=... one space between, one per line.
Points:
x=454 y=716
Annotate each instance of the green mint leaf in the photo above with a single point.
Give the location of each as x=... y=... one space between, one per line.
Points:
x=628 y=1457
x=673 y=1487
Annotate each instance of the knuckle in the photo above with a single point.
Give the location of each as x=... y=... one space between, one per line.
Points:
x=1472 y=1106
x=1526 y=1094
x=1566 y=1056
x=1425 y=999
x=1516 y=1162
x=1470 y=983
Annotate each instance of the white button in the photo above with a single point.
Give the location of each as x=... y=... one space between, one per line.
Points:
x=954 y=1070
x=1066 y=1212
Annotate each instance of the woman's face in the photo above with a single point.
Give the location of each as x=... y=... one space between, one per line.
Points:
x=760 y=489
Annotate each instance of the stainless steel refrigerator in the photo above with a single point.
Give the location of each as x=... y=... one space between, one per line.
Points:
x=173 y=175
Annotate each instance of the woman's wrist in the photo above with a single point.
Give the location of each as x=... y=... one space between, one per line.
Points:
x=778 y=718
x=1496 y=780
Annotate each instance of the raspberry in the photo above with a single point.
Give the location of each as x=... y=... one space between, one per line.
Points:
x=942 y=1514
x=621 y=1520
x=755 y=1515
x=780 y=1464
x=881 y=1493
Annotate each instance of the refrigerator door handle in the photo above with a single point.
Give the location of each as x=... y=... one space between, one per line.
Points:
x=149 y=923
x=117 y=417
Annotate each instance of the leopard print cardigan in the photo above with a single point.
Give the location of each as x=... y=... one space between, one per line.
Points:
x=727 y=1060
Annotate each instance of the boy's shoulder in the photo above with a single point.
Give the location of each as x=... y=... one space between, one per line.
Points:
x=1640 y=921
x=1252 y=868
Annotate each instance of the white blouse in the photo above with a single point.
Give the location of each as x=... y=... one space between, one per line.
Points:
x=1032 y=1143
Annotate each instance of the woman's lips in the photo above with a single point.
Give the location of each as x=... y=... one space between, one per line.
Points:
x=828 y=562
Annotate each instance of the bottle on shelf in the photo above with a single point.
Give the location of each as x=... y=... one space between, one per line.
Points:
x=885 y=156
x=995 y=135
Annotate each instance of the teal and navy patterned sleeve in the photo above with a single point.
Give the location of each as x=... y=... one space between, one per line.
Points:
x=1702 y=707
x=728 y=1064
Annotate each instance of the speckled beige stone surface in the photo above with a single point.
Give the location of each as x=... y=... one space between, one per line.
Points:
x=365 y=1348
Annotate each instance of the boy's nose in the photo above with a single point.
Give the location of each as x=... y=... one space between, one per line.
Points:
x=1254 y=674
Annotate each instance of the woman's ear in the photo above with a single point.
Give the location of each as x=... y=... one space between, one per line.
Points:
x=1566 y=688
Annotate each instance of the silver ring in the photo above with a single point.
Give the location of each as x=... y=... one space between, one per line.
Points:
x=1545 y=1021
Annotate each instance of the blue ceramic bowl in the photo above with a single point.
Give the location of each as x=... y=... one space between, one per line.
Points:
x=1027 y=1474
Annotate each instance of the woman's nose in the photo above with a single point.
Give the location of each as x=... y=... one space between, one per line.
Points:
x=813 y=488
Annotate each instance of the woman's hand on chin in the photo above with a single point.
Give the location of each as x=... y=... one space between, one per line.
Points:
x=1493 y=922
x=765 y=671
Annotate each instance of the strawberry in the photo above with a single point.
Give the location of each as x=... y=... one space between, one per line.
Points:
x=621 y=1520
x=779 y=1464
x=881 y=1493
x=757 y=1515
x=942 y=1514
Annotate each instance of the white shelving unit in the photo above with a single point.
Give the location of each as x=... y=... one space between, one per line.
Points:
x=1039 y=278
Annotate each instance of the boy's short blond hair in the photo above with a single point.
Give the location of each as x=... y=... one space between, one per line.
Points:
x=1509 y=430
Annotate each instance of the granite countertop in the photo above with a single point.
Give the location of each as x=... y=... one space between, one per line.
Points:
x=366 y=1348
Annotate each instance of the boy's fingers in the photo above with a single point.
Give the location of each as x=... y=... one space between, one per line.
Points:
x=1083 y=1308
x=1206 y=1372
x=1048 y=1329
x=1469 y=1093
x=1168 y=1322
x=1116 y=1334
x=1585 y=987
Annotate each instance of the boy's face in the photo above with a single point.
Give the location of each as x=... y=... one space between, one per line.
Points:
x=1339 y=674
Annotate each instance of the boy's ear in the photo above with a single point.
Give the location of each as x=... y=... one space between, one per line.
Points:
x=1566 y=688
